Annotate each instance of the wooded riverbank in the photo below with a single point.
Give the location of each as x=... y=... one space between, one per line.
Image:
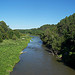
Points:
x=37 y=61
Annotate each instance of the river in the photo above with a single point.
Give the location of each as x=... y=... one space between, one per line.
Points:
x=37 y=61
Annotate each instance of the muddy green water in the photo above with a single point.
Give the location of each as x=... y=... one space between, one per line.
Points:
x=37 y=61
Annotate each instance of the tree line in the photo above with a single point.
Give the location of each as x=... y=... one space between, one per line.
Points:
x=7 y=33
x=60 y=38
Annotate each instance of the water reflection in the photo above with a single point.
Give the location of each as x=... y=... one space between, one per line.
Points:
x=37 y=61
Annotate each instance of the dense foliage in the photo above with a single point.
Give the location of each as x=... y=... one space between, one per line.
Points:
x=61 y=38
x=66 y=28
x=33 y=31
x=6 y=32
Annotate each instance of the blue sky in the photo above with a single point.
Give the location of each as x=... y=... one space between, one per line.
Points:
x=26 y=14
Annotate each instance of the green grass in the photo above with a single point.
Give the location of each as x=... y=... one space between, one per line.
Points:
x=59 y=56
x=9 y=53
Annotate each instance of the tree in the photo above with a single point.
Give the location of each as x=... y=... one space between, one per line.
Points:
x=1 y=37
x=14 y=37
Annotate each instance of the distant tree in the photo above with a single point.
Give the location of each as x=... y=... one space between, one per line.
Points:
x=17 y=33
x=4 y=26
x=1 y=29
x=1 y=37
x=10 y=33
x=14 y=37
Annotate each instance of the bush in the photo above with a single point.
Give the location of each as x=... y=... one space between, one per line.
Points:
x=1 y=40
x=14 y=37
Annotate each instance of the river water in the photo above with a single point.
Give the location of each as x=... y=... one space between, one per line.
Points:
x=37 y=61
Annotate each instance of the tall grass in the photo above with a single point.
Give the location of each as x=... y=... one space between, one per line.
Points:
x=9 y=53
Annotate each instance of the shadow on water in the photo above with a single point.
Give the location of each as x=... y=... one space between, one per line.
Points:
x=37 y=61
x=48 y=49
x=61 y=61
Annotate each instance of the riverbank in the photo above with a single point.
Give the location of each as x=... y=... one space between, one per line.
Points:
x=60 y=57
x=10 y=51
x=37 y=61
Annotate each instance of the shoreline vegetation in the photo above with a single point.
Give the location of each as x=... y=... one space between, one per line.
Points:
x=10 y=51
x=59 y=38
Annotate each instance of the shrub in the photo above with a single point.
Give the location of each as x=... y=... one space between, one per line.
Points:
x=14 y=37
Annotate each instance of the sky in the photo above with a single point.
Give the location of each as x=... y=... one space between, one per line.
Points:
x=27 y=14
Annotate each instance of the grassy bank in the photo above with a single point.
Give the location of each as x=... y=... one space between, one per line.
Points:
x=9 y=53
